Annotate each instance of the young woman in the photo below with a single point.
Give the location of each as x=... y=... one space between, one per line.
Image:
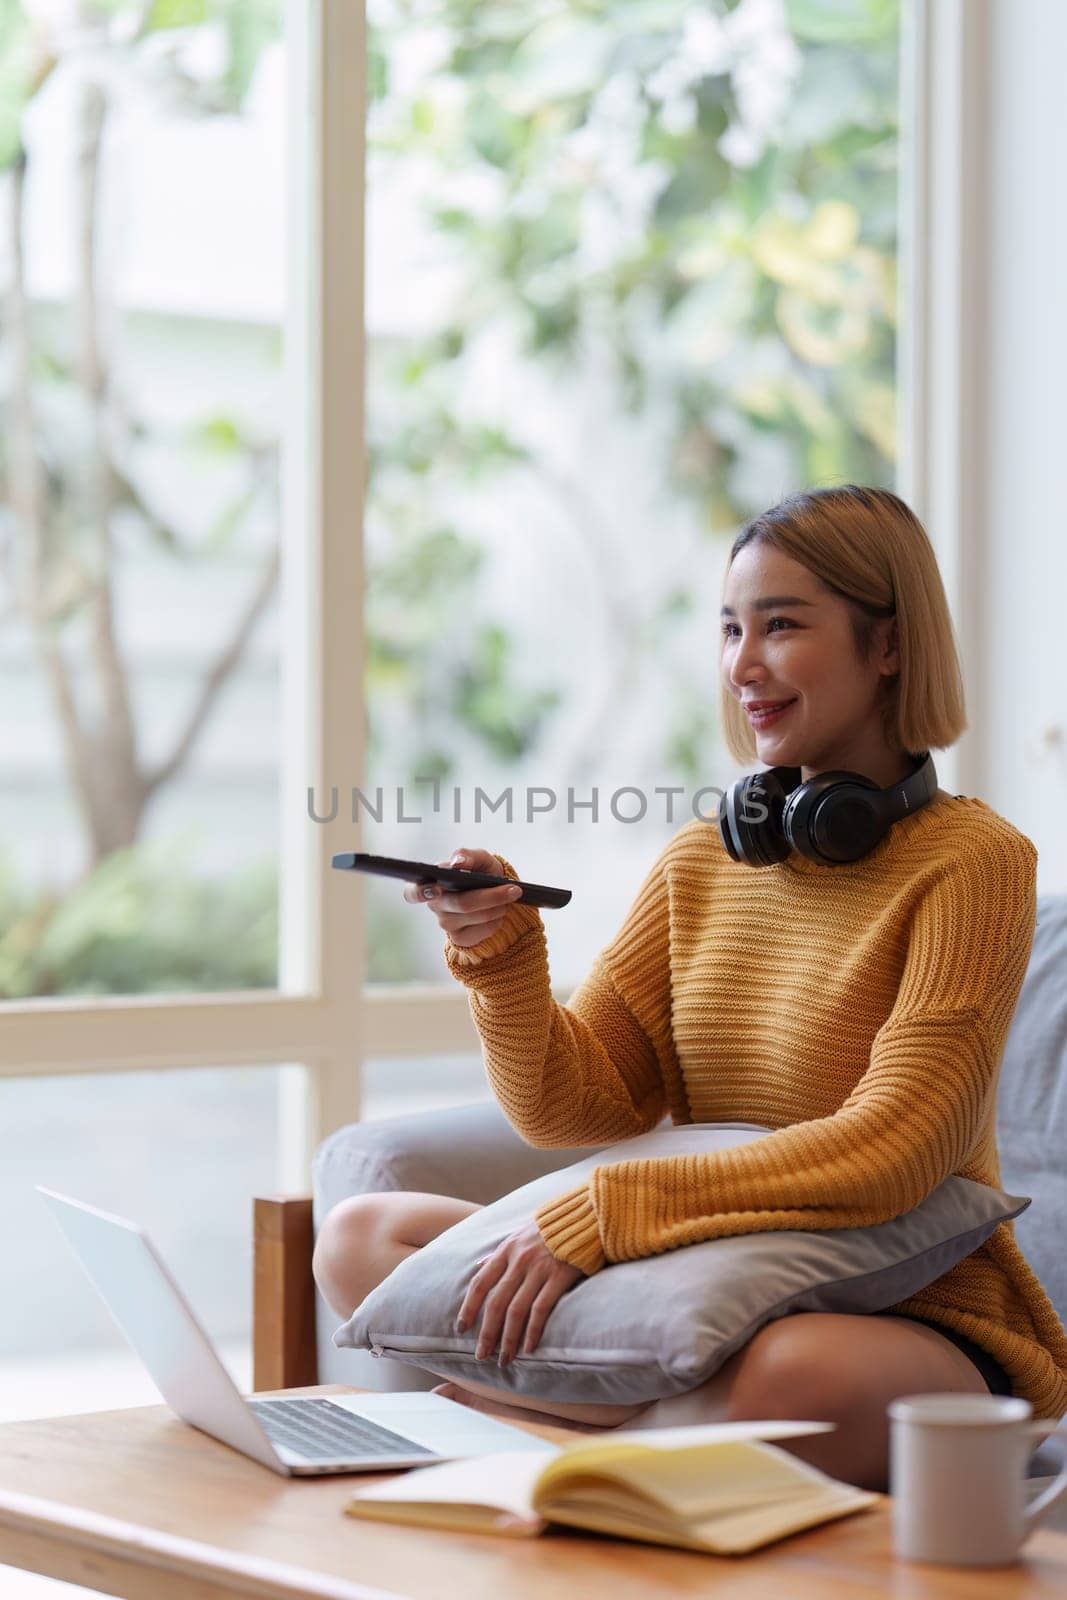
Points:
x=858 y=1008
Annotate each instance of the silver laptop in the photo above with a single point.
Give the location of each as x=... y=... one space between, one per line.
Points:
x=297 y=1437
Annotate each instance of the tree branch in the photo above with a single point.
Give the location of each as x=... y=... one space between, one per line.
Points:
x=225 y=663
x=29 y=508
x=117 y=744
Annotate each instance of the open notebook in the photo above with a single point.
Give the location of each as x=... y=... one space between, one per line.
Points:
x=720 y=1487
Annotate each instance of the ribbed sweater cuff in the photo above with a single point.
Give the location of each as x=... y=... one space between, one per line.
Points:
x=517 y=920
x=569 y=1228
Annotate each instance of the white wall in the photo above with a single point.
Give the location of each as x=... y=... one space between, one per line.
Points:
x=1022 y=619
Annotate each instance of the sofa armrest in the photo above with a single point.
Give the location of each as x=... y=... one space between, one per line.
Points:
x=470 y=1152
x=283 y=1301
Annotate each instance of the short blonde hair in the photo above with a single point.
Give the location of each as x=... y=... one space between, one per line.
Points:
x=868 y=547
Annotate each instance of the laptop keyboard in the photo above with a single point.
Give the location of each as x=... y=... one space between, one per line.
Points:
x=321 y=1431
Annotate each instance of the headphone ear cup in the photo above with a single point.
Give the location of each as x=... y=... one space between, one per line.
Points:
x=834 y=818
x=750 y=820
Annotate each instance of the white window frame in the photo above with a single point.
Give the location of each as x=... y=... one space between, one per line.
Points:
x=944 y=347
x=321 y=1017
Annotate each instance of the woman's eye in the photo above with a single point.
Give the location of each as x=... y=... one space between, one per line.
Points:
x=729 y=629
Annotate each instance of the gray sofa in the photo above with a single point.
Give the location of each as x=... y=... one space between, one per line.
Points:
x=474 y=1153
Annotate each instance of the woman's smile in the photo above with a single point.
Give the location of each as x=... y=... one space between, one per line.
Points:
x=764 y=719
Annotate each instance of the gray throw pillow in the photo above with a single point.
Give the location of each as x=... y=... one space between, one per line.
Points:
x=640 y=1330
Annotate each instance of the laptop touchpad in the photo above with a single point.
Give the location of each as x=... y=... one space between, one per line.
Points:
x=441 y=1424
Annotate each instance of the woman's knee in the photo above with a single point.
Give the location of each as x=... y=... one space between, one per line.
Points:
x=787 y=1370
x=364 y=1237
x=839 y=1368
x=347 y=1262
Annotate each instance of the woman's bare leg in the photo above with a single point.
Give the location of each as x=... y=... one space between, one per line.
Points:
x=486 y=1397
x=363 y=1238
x=519 y=1408
x=827 y=1367
x=360 y=1242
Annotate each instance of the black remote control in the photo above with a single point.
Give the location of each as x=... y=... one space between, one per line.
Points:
x=456 y=879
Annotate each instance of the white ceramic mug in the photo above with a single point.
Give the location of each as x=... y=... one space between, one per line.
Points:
x=957 y=1468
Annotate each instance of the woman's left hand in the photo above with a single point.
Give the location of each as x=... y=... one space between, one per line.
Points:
x=518 y=1285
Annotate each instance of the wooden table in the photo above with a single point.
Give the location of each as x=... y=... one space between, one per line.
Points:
x=136 y=1503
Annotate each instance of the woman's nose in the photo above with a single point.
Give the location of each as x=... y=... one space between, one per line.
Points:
x=747 y=663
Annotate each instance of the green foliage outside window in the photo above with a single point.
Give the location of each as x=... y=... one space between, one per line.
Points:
x=710 y=205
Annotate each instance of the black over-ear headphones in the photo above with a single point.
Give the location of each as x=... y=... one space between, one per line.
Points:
x=833 y=818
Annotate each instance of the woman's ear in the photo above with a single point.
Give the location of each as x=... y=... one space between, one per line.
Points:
x=889 y=648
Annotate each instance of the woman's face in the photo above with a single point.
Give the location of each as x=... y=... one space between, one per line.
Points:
x=788 y=639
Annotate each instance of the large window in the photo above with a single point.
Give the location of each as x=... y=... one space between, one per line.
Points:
x=631 y=279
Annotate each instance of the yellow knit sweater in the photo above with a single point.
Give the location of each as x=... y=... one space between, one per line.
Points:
x=860 y=1011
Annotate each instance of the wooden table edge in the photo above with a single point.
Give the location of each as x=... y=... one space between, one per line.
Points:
x=97 y=1546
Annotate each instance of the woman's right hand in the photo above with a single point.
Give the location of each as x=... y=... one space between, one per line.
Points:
x=470 y=915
